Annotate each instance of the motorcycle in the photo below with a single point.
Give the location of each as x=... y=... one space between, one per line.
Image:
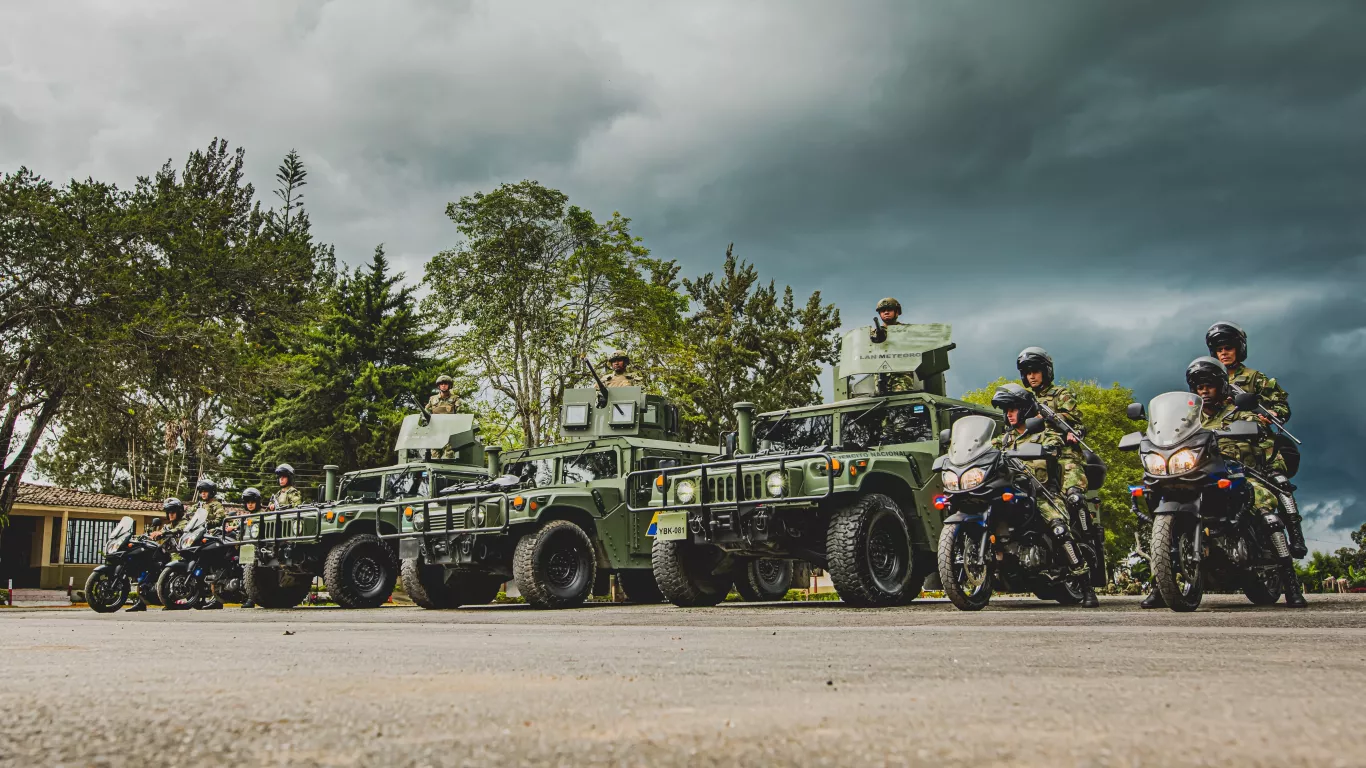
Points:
x=995 y=536
x=1205 y=534
x=128 y=562
x=206 y=568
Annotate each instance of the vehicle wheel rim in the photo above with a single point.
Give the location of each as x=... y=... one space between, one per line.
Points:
x=562 y=569
x=769 y=573
x=971 y=576
x=104 y=590
x=182 y=587
x=367 y=573
x=1187 y=575
x=886 y=553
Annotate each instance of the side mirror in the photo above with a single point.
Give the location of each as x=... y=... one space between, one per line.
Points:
x=732 y=439
x=945 y=437
x=1136 y=412
x=1034 y=426
x=1246 y=401
x=156 y=521
x=667 y=463
x=1131 y=441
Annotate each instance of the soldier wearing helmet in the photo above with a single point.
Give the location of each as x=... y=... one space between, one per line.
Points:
x=620 y=377
x=288 y=495
x=174 y=522
x=1036 y=372
x=889 y=313
x=1018 y=405
x=444 y=401
x=207 y=492
x=1228 y=342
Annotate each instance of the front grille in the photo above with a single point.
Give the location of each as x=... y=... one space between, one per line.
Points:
x=722 y=489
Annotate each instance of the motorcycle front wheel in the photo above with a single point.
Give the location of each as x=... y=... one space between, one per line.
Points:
x=1174 y=569
x=178 y=590
x=964 y=568
x=1262 y=586
x=104 y=593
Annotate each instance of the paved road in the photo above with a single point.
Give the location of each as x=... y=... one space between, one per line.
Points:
x=811 y=684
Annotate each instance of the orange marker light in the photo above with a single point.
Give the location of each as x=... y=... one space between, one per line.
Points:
x=329 y=515
x=1224 y=483
x=834 y=465
x=341 y=519
x=993 y=538
x=1007 y=496
x=533 y=506
x=518 y=501
x=408 y=512
x=659 y=482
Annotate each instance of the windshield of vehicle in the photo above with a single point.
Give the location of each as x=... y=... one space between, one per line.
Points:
x=533 y=472
x=594 y=465
x=795 y=433
x=405 y=485
x=199 y=523
x=907 y=423
x=360 y=488
x=123 y=529
x=1173 y=417
x=970 y=438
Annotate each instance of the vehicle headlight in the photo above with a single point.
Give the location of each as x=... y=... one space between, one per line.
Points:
x=685 y=491
x=776 y=483
x=479 y=516
x=418 y=519
x=254 y=531
x=1183 y=461
x=972 y=478
x=950 y=480
x=1154 y=464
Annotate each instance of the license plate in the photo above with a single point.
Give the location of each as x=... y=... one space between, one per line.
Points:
x=247 y=554
x=673 y=526
x=408 y=549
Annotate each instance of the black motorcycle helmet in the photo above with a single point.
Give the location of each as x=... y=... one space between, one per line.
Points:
x=284 y=470
x=207 y=485
x=1035 y=359
x=173 y=506
x=251 y=494
x=1207 y=370
x=1223 y=334
x=1015 y=396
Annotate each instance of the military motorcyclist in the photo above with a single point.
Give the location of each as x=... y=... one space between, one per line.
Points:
x=171 y=525
x=1036 y=373
x=288 y=495
x=1018 y=405
x=1228 y=343
x=1208 y=378
x=207 y=491
x=251 y=503
x=620 y=377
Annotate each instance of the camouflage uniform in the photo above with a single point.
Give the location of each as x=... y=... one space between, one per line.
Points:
x=1052 y=442
x=1061 y=401
x=1264 y=387
x=627 y=379
x=1249 y=453
x=443 y=402
x=286 y=497
x=216 y=511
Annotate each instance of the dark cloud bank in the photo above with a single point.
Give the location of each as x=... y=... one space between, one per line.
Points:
x=1103 y=179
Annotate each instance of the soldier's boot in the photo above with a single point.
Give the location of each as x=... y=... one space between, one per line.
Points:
x=1295 y=531
x=1088 y=595
x=1153 y=600
x=1294 y=594
x=138 y=605
x=213 y=604
x=248 y=603
x=1064 y=537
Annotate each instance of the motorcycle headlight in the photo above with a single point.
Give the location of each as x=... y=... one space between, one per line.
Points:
x=972 y=478
x=111 y=546
x=186 y=540
x=1183 y=461
x=418 y=519
x=685 y=491
x=950 y=480
x=776 y=483
x=1154 y=464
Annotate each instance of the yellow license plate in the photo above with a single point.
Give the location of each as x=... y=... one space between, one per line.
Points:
x=247 y=554
x=672 y=526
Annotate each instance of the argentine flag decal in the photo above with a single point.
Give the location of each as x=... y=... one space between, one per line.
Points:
x=653 y=530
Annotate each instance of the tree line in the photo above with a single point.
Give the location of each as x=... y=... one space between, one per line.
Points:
x=186 y=327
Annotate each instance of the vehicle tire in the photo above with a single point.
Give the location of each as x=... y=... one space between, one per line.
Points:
x=691 y=575
x=1172 y=543
x=176 y=584
x=555 y=565
x=763 y=579
x=359 y=572
x=263 y=586
x=1067 y=593
x=967 y=586
x=1262 y=587
x=104 y=593
x=639 y=585
x=434 y=588
x=870 y=552
x=147 y=590
x=475 y=587
x=922 y=565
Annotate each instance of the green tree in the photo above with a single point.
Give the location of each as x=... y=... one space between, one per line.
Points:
x=369 y=361
x=537 y=285
x=1103 y=411
x=746 y=341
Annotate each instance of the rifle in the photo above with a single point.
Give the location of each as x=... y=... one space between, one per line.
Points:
x=1267 y=413
x=1061 y=424
x=602 y=388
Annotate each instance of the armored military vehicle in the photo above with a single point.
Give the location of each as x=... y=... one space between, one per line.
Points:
x=845 y=486
x=557 y=520
x=341 y=536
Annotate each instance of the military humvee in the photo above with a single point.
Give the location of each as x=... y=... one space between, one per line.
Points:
x=341 y=537
x=845 y=486
x=559 y=524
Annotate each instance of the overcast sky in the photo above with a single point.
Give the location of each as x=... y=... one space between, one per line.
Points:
x=1101 y=179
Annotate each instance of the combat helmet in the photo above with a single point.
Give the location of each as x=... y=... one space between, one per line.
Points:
x=1013 y=395
x=1224 y=334
x=444 y=379
x=889 y=303
x=1035 y=359
x=285 y=470
x=206 y=485
x=621 y=355
x=1207 y=370
x=250 y=495
x=173 y=506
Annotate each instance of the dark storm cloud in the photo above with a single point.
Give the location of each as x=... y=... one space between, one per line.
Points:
x=1104 y=179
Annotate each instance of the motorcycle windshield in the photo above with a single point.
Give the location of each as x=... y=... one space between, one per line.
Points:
x=199 y=523
x=119 y=536
x=970 y=438
x=1173 y=417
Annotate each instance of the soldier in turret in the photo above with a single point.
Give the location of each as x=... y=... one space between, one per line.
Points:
x=620 y=377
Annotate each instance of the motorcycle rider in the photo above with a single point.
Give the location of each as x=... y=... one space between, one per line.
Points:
x=1018 y=404
x=208 y=500
x=288 y=495
x=251 y=502
x=1036 y=373
x=1208 y=378
x=1228 y=342
x=172 y=524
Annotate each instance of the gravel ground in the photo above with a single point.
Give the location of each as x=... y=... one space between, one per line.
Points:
x=1022 y=683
